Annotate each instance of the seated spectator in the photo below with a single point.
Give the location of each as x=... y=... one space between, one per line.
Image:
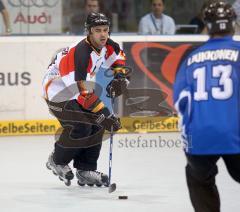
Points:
x=5 y=16
x=198 y=20
x=156 y=22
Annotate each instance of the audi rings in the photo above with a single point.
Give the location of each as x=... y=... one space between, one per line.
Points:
x=33 y=3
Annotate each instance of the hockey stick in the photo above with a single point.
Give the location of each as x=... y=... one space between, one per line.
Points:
x=113 y=186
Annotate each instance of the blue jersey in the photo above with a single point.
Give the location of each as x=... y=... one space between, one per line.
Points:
x=207 y=98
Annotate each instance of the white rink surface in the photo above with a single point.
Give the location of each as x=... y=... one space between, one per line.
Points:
x=152 y=178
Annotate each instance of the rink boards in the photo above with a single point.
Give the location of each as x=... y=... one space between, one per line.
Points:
x=50 y=127
x=23 y=63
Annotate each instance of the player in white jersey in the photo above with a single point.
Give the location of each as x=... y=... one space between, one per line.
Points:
x=77 y=105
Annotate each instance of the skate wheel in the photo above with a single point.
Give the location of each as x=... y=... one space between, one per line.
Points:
x=99 y=185
x=91 y=185
x=81 y=184
x=68 y=183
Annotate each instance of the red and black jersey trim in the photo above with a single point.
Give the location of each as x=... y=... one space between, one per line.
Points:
x=113 y=46
x=67 y=63
x=82 y=60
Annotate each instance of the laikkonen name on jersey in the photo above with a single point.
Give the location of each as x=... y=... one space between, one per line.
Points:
x=214 y=55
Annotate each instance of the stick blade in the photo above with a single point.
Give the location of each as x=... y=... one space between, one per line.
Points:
x=112 y=188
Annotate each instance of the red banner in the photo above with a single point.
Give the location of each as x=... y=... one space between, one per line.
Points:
x=155 y=65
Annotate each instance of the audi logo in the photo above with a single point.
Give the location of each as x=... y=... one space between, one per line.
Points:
x=33 y=3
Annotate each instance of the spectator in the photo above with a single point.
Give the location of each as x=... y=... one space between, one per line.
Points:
x=92 y=6
x=157 y=22
x=198 y=20
x=236 y=7
x=78 y=19
x=5 y=16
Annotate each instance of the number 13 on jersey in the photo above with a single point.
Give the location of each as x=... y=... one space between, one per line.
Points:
x=222 y=91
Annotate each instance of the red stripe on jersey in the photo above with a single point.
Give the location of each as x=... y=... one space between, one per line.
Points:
x=89 y=65
x=110 y=51
x=67 y=63
x=119 y=63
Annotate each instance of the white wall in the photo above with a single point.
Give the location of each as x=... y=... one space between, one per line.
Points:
x=28 y=57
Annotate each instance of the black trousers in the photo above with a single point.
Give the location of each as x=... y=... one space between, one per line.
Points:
x=201 y=172
x=83 y=158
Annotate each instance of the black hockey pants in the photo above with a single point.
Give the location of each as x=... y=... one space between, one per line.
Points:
x=200 y=174
x=83 y=158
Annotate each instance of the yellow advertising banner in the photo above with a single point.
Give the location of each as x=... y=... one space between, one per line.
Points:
x=50 y=127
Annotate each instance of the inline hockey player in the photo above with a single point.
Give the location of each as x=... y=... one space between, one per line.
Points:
x=79 y=64
x=207 y=97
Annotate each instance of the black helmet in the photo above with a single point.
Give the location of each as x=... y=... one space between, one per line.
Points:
x=219 y=17
x=96 y=19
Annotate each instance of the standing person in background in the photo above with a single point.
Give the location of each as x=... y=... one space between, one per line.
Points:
x=78 y=19
x=96 y=6
x=6 y=19
x=156 y=22
x=207 y=98
x=90 y=6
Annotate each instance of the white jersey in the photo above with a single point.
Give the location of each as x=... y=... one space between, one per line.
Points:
x=79 y=62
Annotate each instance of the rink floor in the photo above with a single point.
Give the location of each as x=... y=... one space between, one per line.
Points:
x=151 y=176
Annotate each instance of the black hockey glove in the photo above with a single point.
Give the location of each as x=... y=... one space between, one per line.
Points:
x=108 y=120
x=117 y=86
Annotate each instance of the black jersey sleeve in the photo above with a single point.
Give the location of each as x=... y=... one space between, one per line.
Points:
x=115 y=45
x=82 y=57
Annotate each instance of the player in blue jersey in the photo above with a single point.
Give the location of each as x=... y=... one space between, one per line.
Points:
x=207 y=98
